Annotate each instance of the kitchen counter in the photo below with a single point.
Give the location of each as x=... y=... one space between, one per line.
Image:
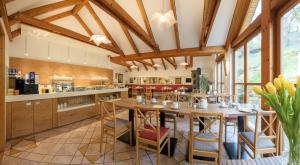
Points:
x=61 y=95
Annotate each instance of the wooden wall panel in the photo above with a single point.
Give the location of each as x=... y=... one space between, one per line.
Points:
x=46 y=70
x=2 y=89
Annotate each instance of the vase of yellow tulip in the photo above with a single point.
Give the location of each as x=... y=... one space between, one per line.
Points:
x=284 y=98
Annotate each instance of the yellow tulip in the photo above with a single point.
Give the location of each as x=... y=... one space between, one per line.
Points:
x=291 y=89
x=271 y=88
x=277 y=83
x=298 y=81
x=285 y=84
x=257 y=90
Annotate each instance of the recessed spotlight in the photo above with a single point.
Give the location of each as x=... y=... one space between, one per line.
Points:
x=156 y=65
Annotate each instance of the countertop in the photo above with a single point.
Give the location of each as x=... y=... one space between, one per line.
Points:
x=60 y=95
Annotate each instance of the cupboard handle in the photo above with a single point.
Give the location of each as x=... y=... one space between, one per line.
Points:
x=28 y=104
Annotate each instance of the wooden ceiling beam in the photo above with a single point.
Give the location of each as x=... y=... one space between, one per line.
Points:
x=130 y=39
x=171 y=62
x=173 y=7
x=78 y=7
x=83 y=24
x=207 y=51
x=145 y=18
x=191 y=62
x=44 y=9
x=240 y=12
x=210 y=11
x=117 y=12
x=153 y=63
x=138 y=68
x=61 y=31
x=251 y=29
x=16 y=33
x=5 y=19
x=103 y=28
x=220 y=58
x=57 y=16
x=164 y=64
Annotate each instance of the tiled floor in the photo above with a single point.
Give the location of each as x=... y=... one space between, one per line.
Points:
x=78 y=143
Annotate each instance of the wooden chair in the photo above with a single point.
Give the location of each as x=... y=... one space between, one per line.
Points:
x=170 y=117
x=265 y=141
x=149 y=93
x=111 y=125
x=149 y=136
x=206 y=143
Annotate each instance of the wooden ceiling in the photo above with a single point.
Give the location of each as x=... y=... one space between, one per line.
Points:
x=130 y=27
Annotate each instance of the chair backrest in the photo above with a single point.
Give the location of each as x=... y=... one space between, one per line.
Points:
x=169 y=96
x=215 y=134
x=270 y=127
x=108 y=112
x=145 y=113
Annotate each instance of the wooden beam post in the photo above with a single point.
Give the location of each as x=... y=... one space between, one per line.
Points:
x=164 y=64
x=57 y=16
x=5 y=19
x=2 y=91
x=266 y=41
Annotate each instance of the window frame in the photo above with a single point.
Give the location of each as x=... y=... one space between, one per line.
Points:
x=245 y=84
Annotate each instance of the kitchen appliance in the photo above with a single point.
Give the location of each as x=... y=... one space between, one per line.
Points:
x=31 y=89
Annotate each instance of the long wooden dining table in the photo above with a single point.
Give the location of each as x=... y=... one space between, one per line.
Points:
x=231 y=147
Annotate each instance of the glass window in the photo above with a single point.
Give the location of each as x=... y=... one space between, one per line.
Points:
x=239 y=65
x=290 y=27
x=254 y=60
x=240 y=93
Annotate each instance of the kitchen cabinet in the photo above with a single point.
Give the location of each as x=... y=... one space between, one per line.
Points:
x=42 y=115
x=22 y=118
x=8 y=120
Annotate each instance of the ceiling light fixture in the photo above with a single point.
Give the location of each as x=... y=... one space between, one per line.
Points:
x=99 y=38
x=156 y=65
x=133 y=67
x=184 y=64
x=163 y=19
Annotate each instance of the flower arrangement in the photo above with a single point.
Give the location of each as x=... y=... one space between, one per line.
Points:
x=284 y=98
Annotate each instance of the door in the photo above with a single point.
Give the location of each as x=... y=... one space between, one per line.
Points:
x=42 y=115
x=22 y=118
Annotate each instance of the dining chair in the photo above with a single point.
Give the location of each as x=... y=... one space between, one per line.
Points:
x=111 y=125
x=207 y=142
x=150 y=136
x=264 y=140
x=149 y=93
x=170 y=117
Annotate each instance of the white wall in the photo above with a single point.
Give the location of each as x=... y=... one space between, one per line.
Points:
x=205 y=63
x=42 y=44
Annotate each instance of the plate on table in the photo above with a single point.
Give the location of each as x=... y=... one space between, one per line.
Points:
x=176 y=108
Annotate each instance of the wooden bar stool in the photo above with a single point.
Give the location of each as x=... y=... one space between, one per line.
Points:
x=261 y=142
x=150 y=136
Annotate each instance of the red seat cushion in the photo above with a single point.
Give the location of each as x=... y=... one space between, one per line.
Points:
x=151 y=135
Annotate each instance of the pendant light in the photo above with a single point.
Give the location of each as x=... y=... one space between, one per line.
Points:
x=163 y=19
x=99 y=38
